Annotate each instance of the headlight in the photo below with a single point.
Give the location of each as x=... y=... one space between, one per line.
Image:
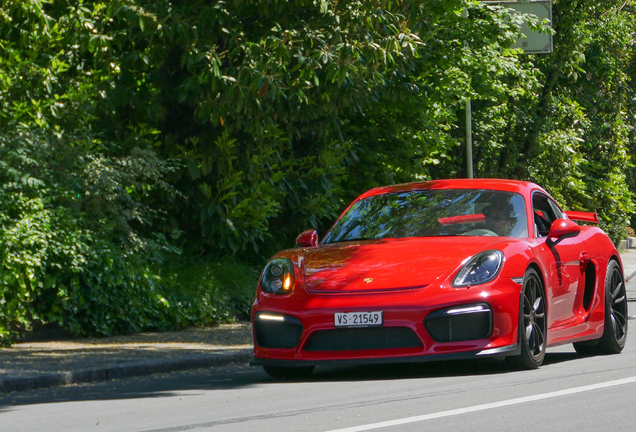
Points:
x=278 y=276
x=482 y=268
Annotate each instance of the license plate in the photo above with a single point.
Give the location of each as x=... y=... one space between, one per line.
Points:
x=358 y=319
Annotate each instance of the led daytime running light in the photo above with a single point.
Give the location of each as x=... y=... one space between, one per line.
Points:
x=466 y=310
x=268 y=317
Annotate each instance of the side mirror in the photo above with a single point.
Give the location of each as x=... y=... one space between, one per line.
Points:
x=563 y=227
x=307 y=238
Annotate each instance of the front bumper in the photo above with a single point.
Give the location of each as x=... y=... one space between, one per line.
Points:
x=301 y=329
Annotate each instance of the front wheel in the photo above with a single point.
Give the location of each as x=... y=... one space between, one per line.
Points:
x=532 y=323
x=615 y=332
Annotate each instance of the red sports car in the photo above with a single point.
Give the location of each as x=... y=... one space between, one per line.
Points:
x=443 y=269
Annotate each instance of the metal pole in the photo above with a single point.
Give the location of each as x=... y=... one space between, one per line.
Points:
x=469 y=127
x=469 y=139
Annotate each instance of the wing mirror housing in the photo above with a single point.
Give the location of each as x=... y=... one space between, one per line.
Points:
x=561 y=228
x=307 y=238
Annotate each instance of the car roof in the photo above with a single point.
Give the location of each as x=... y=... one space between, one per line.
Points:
x=522 y=187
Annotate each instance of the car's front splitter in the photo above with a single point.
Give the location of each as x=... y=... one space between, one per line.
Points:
x=500 y=352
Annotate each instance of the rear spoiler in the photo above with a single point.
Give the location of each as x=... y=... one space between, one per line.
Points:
x=582 y=216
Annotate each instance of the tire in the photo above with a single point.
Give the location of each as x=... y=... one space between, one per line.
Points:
x=284 y=372
x=615 y=328
x=532 y=323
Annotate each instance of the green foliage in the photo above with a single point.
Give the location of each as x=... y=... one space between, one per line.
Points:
x=73 y=249
x=209 y=291
x=284 y=111
x=571 y=131
x=264 y=94
x=133 y=127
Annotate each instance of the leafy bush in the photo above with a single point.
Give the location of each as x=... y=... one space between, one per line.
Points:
x=209 y=291
x=73 y=250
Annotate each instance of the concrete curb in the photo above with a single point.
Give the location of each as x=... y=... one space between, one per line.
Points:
x=630 y=275
x=123 y=371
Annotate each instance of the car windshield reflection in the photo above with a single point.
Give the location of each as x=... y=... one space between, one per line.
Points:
x=433 y=213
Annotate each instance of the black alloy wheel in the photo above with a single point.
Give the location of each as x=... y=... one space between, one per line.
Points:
x=532 y=323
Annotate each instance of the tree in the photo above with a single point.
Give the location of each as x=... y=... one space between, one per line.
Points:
x=225 y=128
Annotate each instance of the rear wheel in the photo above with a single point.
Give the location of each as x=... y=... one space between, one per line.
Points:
x=286 y=372
x=615 y=332
x=532 y=323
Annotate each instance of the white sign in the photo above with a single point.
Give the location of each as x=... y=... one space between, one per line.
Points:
x=535 y=42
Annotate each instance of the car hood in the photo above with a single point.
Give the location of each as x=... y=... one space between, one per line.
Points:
x=391 y=264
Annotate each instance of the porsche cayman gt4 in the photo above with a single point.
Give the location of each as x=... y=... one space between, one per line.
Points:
x=445 y=269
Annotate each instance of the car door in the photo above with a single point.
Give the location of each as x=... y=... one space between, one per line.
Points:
x=561 y=259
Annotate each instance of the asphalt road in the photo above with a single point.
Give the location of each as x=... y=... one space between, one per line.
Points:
x=568 y=393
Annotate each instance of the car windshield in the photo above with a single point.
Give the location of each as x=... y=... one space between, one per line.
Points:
x=433 y=213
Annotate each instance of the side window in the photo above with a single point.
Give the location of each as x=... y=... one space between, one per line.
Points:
x=544 y=214
x=557 y=210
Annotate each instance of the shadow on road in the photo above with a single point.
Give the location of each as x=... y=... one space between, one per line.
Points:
x=195 y=382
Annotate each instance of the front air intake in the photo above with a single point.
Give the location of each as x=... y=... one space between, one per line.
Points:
x=461 y=323
x=363 y=338
x=277 y=331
